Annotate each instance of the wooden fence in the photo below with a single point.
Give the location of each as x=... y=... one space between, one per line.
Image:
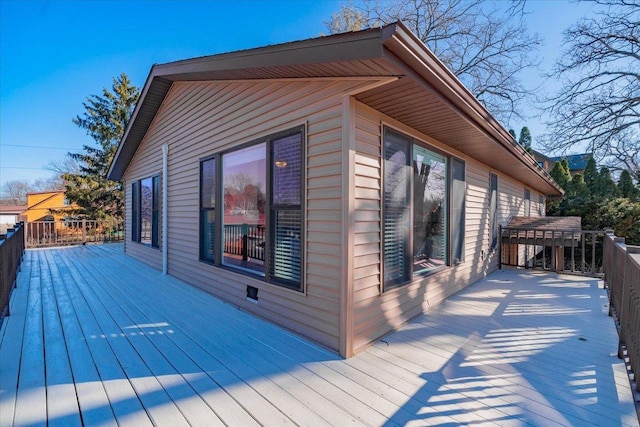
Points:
x=40 y=234
x=622 y=275
x=11 y=251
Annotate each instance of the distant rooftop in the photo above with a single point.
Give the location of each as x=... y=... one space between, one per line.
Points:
x=576 y=161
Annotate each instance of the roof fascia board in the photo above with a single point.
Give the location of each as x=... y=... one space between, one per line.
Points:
x=348 y=46
x=344 y=47
x=409 y=53
x=153 y=82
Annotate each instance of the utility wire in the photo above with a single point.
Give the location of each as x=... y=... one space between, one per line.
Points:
x=38 y=146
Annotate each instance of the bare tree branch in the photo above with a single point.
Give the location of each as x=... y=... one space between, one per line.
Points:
x=598 y=104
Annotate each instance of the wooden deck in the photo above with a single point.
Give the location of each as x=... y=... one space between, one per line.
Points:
x=97 y=338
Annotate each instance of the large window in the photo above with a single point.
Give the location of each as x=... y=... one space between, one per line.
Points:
x=527 y=202
x=244 y=183
x=423 y=192
x=258 y=228
x=145 y=211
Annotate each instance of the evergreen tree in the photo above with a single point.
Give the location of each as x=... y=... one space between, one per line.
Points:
x=525 y=138
x=591 y=175
x=560 y=173
x=605 y=188
x=513 y=133
x=626 y=187
x=105 y=118
x=577 y=187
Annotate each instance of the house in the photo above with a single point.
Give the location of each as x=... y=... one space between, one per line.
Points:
x=337 y=186
x=46 y=206
x=545 y=162
x=9 y=214
x=577 y=162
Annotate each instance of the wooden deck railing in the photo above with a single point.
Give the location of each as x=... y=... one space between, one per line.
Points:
x=563 y=251
x=11 y=251
x=622 y=275
x=40 y=234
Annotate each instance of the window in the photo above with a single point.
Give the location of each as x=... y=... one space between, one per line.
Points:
x=417 y=209
x=207 y=209
x=541 y=205
x=458 y=192
x=243 y=222
x=135 y=211
x=527 y=202
x=145 y=211
x=493 y=210
x=258 y=228
x=286 y=209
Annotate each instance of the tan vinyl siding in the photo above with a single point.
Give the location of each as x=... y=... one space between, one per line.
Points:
x=377 y=314
x=205 y=118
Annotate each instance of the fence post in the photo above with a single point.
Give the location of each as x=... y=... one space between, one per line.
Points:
x=84 y=231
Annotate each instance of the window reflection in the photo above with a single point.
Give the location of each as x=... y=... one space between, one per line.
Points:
x=244 y=179
x=429 y=209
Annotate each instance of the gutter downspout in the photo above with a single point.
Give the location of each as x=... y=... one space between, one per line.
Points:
x=165 y=209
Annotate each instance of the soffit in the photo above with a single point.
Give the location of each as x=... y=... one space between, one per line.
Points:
x=421 y=108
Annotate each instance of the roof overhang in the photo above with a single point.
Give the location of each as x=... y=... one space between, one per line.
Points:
x=423 y=94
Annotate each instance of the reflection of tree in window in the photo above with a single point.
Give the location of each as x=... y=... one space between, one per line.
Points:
x=429 y=188
x=244 y=178
x=241 y=192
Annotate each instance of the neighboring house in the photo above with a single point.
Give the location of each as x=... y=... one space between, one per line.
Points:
x=46 y=206
x=545 y=162
x=337 y=186
x=577 y=162
x=9 y=214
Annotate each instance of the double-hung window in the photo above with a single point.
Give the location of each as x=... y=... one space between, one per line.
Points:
x=423 y=209
x=258 y=226
x=145 y=211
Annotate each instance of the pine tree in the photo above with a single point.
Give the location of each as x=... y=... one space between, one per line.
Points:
x=525 y=138
x=605 y=188
x=626 y=187
x=560 y=173
x=513 y=133
x=590 y=175
x=104 y=119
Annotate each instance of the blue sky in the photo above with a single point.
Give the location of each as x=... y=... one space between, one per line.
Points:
x=53 y=54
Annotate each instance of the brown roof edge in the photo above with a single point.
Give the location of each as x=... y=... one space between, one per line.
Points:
x=352 y=46
x=409 y=48
x=368 y=44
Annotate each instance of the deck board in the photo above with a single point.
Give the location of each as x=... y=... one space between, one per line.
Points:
x=97 y=338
